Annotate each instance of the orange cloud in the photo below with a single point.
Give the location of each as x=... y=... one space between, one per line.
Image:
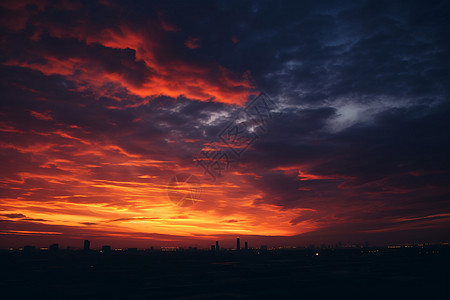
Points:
x=113 y=192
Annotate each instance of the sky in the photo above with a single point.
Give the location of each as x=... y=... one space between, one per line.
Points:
x=105 y=102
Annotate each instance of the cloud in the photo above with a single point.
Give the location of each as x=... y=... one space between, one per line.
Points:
x=14 y=216
x=107 y=58
x=103 y=103
x=192 y=43
x=88 y=223
x=133 y=219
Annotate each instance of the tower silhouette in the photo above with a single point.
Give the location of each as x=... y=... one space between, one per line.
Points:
x=87 y=245
x=238 y=244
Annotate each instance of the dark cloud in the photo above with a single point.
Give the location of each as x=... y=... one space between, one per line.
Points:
x=14 y=216
x=133 y=219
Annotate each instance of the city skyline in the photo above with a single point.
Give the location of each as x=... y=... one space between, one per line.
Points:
x=86 y=245
x=108 y=248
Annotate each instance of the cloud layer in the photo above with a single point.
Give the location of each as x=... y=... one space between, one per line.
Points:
x=104 y=102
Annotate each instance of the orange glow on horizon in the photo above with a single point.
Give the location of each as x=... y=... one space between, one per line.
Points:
x=70 y=192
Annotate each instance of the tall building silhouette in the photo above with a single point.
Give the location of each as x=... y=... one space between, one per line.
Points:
x=246 y=246
x=238 y=244
x=217 y=245
x=87 y=245
x=53 y=249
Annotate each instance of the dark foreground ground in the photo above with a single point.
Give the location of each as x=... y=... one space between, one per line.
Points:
x=419 y=273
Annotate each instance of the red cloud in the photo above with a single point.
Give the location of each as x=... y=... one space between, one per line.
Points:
x=192 y=43
x=41 y=116
x=160 y=66
x=15 y=15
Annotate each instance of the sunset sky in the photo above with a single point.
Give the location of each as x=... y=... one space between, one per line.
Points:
x=103 y=102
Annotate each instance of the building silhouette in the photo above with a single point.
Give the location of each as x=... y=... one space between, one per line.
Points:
x=106 y=249
x=53 y=249
x=213 y=248
x=246 y=246
x=87 y=245
x=238 y=244
x=217 y=245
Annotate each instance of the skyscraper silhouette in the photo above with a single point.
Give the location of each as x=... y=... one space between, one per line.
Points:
x=238 y=244
x=217 y=245
x=87 y=245
x=53 y=249
x=246 y=246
